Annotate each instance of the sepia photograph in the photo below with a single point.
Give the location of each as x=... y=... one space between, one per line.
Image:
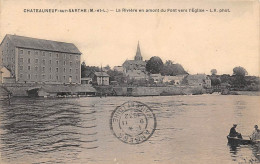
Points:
x=122 y=82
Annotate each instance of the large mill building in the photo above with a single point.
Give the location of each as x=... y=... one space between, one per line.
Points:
x=31 y=60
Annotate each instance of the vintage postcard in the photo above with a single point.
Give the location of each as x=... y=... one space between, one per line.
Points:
x=122 y=82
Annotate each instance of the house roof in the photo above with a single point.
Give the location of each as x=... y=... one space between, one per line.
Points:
x=101 y=74
x=41 y=44
x=169 y=78
x=156 y=75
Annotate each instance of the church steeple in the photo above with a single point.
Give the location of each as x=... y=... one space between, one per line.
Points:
x=138 y=55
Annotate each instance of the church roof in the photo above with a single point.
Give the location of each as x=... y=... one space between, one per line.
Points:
x=42 y=44
x=138 y=51
x=140 y=62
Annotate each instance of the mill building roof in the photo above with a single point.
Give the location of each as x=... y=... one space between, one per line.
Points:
x=42 y=44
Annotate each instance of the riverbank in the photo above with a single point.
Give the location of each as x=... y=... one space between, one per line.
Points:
x=69 y=90
x=48 y=90
x=137 y=91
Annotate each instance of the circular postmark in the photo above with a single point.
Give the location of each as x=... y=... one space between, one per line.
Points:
x=133 y=122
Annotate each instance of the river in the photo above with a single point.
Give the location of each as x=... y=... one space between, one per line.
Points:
x=190 y=129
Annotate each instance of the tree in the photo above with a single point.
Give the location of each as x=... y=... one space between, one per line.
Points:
x=168 y=63
x=213 y=72
x=215 y=81
x=107 y=68
x=171 y=69
x=154 y=65
x=240 y=71
x=116 y=76
x=239 y=80
x=86 y=70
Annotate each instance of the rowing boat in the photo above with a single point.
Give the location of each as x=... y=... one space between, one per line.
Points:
x=235 y=140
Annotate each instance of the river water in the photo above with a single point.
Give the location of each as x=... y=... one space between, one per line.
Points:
x=190 y=129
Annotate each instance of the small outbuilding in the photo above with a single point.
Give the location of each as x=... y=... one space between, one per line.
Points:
x=100 y=78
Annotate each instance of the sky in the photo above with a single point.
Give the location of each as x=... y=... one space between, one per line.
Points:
x=198 y=41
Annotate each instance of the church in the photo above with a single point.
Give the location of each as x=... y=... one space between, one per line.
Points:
x=135 y=69
x=136 y=64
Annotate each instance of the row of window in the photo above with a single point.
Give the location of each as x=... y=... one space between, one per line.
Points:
x=7 y=58
x=29 y=77
x=50 y=54
x=44 y=62
x=50 y=69
x=7 y=52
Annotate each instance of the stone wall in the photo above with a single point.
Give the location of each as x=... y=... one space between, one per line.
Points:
x=157 y=91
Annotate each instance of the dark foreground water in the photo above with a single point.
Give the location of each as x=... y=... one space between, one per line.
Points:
x=190 y=129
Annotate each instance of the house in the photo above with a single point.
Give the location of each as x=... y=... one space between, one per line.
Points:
x=136 y=74
x=199 y=80
x=176 y=80
x=32 y=60
x=100 y=78
x=157 y=78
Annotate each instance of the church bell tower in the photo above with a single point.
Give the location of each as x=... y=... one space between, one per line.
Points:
x=138 y=56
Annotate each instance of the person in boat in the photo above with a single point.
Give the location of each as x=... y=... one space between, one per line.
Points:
x=256 y=134
x=234 y=133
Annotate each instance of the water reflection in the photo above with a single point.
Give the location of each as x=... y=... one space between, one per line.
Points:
x=30 y=131
x=251 y=157
x=233 y=149
x=256 y=151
